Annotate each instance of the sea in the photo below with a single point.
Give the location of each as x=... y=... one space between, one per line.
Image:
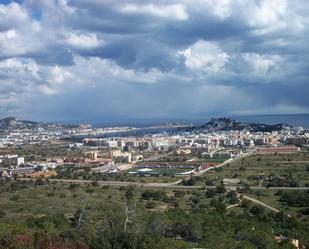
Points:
x=146 y=125
x=295 y=120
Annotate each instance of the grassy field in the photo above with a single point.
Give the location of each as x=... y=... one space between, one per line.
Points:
x=163 y=171
x=20 y=200
x=272 y=198
x=215 y=160
x=75 y=172
x=38 y=152
x=265 y=170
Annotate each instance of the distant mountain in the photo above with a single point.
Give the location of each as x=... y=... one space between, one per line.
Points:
x=227 y=124
x=12 y=123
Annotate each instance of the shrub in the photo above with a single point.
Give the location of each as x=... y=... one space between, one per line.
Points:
x=2 y=214
x=150 y=205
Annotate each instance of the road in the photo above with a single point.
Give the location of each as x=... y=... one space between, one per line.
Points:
x=231 y=206
x=260 y=203
x=125 y=184
x=254 y=201
x=172 y=185
x=202 y=172
x=279 y=188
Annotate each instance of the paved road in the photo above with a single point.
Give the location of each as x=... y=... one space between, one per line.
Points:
x=172 y=185
x=202 y=172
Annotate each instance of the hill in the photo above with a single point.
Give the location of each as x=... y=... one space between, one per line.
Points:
x=12 y=123
x=227 y=124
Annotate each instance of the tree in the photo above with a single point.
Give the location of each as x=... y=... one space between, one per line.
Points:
x=39 y=181
x=257 y=210
x=129 y=194
x=211 y=193
x=218 y=205
x=245 y=203
x=245 y=245
x=150 y=205
x=2 y=214
x=189 y=182
x=220 y=189
x=233 y=197
x=95 y=183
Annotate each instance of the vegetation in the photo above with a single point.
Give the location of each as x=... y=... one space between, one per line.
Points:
x=69 y=215
x=41 y=213
x=36 y=152
x=85 y=173
x=268 y=170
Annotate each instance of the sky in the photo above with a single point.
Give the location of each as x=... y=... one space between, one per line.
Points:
x=98 y=60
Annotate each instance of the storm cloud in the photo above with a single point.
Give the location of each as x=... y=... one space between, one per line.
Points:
x=105 y=59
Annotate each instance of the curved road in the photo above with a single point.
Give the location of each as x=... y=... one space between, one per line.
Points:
x=260 y=203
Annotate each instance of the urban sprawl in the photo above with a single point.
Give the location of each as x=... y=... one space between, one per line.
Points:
x=188 y=152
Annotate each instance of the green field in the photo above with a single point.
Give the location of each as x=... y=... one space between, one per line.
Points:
x=265 y=170
x=75 y=172
x=164 y=171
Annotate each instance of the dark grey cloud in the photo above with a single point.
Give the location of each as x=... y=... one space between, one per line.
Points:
x=153 y=58
x=53 y=55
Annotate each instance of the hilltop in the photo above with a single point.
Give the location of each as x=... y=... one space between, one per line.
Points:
x=227 y=124
x=12 y=123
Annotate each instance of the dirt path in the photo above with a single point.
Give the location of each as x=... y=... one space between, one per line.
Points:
x=260 y=203
x=231 y=206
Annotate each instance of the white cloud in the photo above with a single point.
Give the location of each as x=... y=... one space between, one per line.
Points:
x=219 y=8
x=205 y=56
x=138 y=49
x=11 y=15
x=46 y=90
x=58 y=75
x=263 y=64
x=269 y=13
x=174 y=12
x=10 y=34
x=19 y=33
x=84 y=41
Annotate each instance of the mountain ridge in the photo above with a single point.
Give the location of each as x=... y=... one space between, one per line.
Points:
x=13 y=123
x=227 y=124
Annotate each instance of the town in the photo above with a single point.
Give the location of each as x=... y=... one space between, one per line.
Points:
x=175 y=153
x=223 y=166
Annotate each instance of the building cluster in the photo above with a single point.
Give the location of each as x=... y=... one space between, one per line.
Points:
x=21 y=137
x=15 y=165
x=209 y=141
x=39 y=135
x=117 y=150
x=11 y=160
x=214 y=144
